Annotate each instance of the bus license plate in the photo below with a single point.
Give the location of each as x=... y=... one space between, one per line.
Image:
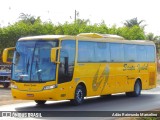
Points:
x=30 y=95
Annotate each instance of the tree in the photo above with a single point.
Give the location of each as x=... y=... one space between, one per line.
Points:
x=150 y=36
x=155 y=39
x=29 y=19
x=28 y=25
x=133 y=33
x=134 y=21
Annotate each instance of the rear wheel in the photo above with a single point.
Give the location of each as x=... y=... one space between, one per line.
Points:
x=79 y=95
x=40 y=102
x=137 y=90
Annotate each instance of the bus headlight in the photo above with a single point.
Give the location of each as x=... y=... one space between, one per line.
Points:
x=50 y=87
x=14 y=86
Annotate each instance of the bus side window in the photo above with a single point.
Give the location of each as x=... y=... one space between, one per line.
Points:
x=130 y=53
x=116 y=52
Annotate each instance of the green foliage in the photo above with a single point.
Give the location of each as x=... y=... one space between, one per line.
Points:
x=132 y=33
x=134 y=22
x=29 y=25
x=150 y=36
x=148 y=118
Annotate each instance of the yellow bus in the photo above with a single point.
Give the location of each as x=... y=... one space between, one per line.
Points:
x=63 y=67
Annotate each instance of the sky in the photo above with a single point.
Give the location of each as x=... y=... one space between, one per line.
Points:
x=110 y=11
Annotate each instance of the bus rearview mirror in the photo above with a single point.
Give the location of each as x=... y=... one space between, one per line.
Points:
x=8 y=55
x=54 y=54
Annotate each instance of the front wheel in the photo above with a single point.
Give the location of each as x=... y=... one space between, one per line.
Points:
x=79 y=96
x=40 y=102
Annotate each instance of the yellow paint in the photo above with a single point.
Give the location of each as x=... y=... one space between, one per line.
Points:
x=53 y=54
x=99 y=78
x=5 y=54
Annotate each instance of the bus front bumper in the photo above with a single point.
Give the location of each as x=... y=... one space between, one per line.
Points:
x=35 y=95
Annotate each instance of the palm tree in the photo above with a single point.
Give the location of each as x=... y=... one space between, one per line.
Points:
x=134 y=21
x=150 y=36
x=27 y=18
x=155 y=39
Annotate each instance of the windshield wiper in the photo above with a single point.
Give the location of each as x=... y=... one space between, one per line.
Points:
x=27 y=66
x=38 y=71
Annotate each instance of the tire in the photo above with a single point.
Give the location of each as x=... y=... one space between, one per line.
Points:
x=79 y=96
x=6 y=85
x=137 y=90
x=40 y=102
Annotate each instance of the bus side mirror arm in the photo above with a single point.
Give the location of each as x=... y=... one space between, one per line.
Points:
x=5 y=54
x=54 y=55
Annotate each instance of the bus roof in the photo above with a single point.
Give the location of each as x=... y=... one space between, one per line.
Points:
x=46 y=37
x=89 y=37
x=97 y=35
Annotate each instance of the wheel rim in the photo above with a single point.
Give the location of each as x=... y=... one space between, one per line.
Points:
x=79 y=95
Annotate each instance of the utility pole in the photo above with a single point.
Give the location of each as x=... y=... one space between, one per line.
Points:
x=76 y=13
x=75 y=16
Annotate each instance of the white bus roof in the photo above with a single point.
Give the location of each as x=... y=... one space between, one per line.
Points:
x=96 y=35
x=46 y=37
x=89 y=37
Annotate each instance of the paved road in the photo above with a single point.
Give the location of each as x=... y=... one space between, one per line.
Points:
x=149 y=100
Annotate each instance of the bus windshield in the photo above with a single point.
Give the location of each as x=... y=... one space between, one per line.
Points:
x=31 y=61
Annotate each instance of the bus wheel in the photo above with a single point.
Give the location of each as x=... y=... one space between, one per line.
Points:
x=6 y=85
x=40 y=102
x=137 y=89
x=79 y=96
